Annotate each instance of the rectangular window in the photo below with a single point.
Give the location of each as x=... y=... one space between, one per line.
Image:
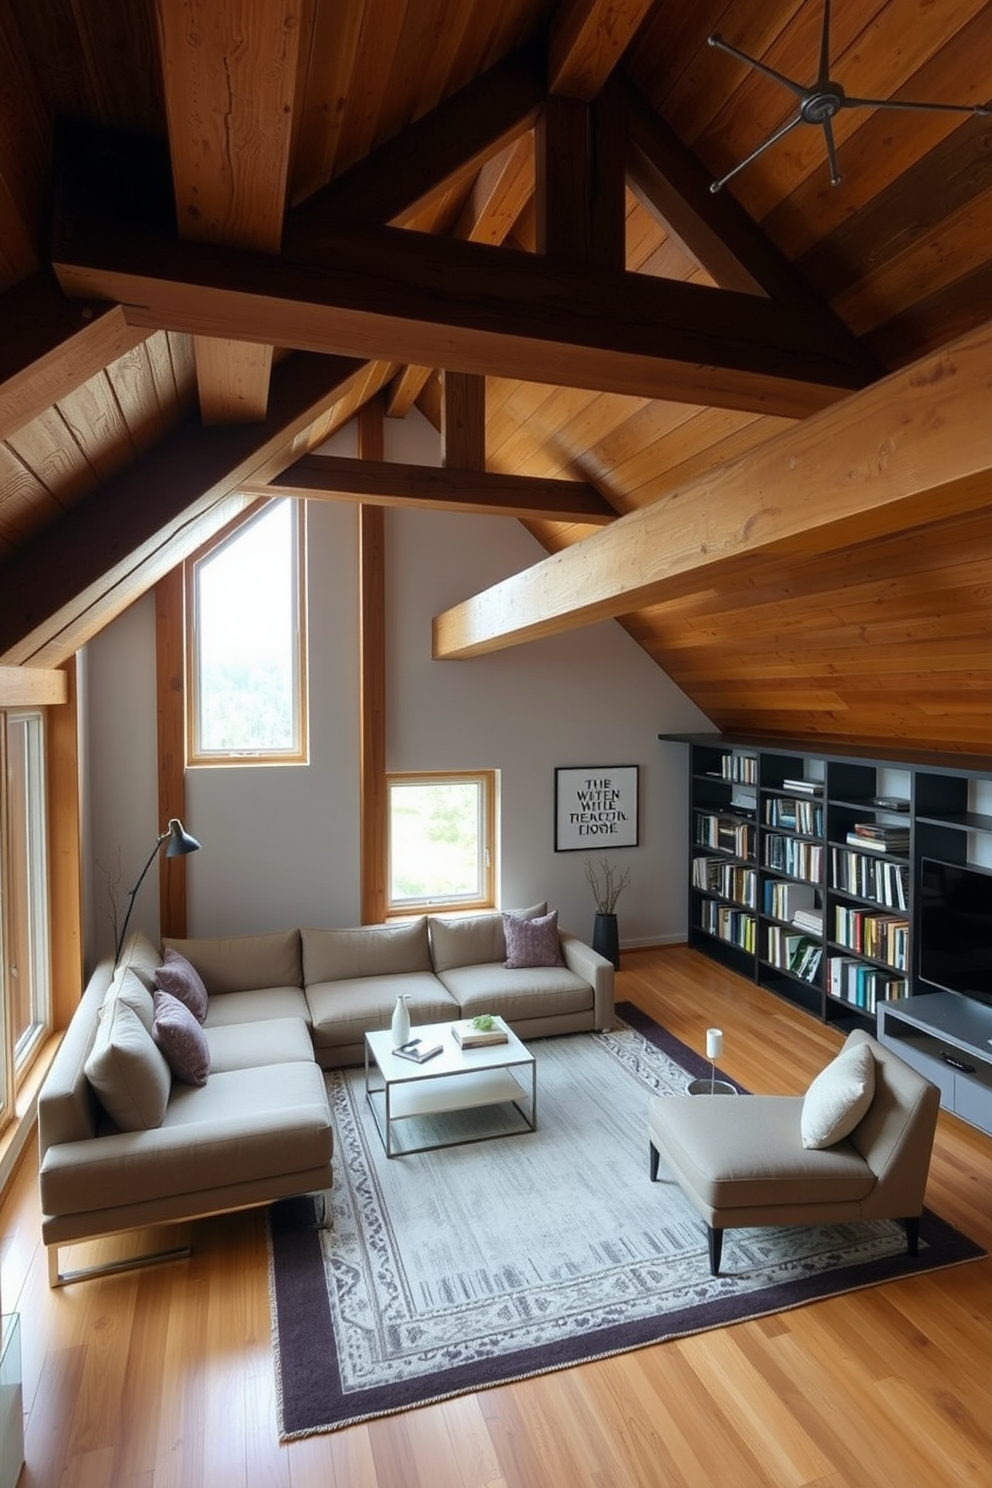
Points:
x=24 y=891
x=441 y=841
x=246 y=642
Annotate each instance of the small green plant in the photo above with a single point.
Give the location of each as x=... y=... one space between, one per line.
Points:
x=606 y=890
x=484 y=1022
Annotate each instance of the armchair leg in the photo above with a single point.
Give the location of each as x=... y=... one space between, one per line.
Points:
x=654 y=1161
x=912 y=1228
x=716 y=1249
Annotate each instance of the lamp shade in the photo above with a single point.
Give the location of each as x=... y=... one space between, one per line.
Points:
x=180 y=841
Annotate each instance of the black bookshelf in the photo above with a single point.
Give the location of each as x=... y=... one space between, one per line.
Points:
x=804 y=863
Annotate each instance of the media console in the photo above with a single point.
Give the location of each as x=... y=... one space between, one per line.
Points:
x=948 y=1039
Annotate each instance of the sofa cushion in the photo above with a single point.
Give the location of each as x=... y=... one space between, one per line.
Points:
x=179 y=1035
x=532 y=942
x=242 y=1127
x=180 y=978
x=472 y=940
x=838 y=1097
x=256 y=1006
x=755 y=1159
x=344 y=1011
x=517 y=994
x=129 y=988
x=241 y=963
x=369 y=950
x=126 y=1069
x=248 y=1045
x=139 y=955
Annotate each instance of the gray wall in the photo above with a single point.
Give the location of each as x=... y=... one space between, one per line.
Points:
x=280 y=844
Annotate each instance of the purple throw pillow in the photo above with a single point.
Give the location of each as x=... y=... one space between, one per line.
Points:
x=181 y=978
x=181 y=1039
x=532 y=942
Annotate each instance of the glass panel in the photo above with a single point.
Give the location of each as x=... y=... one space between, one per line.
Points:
x=247 y=635
x=28 y=975
x=437 y=841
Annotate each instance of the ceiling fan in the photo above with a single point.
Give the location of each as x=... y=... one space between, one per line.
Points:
x=821 y=101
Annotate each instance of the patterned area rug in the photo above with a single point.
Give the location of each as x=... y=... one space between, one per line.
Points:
x=454 y=1270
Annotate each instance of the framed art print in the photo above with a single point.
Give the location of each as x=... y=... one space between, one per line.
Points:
x=595 y=806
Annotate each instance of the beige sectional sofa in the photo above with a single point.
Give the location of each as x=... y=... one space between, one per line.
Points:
x=280 y=1007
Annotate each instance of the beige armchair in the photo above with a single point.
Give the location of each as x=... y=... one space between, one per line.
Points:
x=742 y=1162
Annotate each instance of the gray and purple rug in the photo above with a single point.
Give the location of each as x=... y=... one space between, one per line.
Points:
x=454 y=1270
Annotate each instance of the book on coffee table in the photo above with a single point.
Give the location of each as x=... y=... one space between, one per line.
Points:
x=467 y=1036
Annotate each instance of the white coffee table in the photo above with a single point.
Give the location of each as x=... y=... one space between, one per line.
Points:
x=454 y=1080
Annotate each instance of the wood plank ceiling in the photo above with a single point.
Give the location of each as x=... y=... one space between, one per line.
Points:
x=225 y=225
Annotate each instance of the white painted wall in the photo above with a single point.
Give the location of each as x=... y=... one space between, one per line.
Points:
x=280 y=845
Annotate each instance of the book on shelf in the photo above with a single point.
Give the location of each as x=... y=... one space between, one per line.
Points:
x=810 y=787
x=864 y=987
x=878 y=838
x=810 y=920
x=467 y=1036
x=783 y=899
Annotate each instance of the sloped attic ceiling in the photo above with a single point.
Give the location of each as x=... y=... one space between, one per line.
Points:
x=225 y=226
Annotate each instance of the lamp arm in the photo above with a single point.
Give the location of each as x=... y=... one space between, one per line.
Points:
x=132 y=893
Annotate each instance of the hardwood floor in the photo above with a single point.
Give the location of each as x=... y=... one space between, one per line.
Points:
x=163 y=1378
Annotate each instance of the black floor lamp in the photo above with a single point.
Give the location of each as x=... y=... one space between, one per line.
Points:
x=180 y=843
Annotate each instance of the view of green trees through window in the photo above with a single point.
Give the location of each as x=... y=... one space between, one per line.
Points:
x=246 y=636
x=438 y=849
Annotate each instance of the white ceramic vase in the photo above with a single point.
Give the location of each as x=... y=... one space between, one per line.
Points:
x=401 y=1022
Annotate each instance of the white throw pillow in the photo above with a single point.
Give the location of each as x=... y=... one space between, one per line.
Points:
x=839 y=1096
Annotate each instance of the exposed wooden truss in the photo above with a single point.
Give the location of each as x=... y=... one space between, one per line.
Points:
x=914 y=448
x=443 y=488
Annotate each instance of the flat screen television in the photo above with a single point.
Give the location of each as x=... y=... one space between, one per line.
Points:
x=955 y=928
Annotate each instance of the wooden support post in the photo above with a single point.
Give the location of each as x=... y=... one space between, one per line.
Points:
x=579 y=167
x=372 y=679
x=171 y=714
x=463 y=420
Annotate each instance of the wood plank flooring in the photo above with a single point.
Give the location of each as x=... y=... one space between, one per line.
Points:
x=163 y=1378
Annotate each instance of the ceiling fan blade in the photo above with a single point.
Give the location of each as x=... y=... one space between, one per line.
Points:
x=823 y=76
x=777 y=135
x=717 y=41
x=828 y=130
x=897 y=103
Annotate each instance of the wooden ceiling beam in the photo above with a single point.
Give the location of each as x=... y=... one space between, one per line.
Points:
x=444 y=148
x=380 y=292
x=73 y=577
x=51 y=345
x=914 y=449
x=32 y=687
x=587 y=40
x=500 y=191
x=389 y=483
x=230 y=75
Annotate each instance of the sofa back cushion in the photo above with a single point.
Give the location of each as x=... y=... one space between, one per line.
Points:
x=139 y=955
x=127 y=1070
x=243 y=963
x=370 y=950
x=472 y=940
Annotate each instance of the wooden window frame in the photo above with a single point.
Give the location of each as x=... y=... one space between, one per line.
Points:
x=222 y=759
x=489 y=781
